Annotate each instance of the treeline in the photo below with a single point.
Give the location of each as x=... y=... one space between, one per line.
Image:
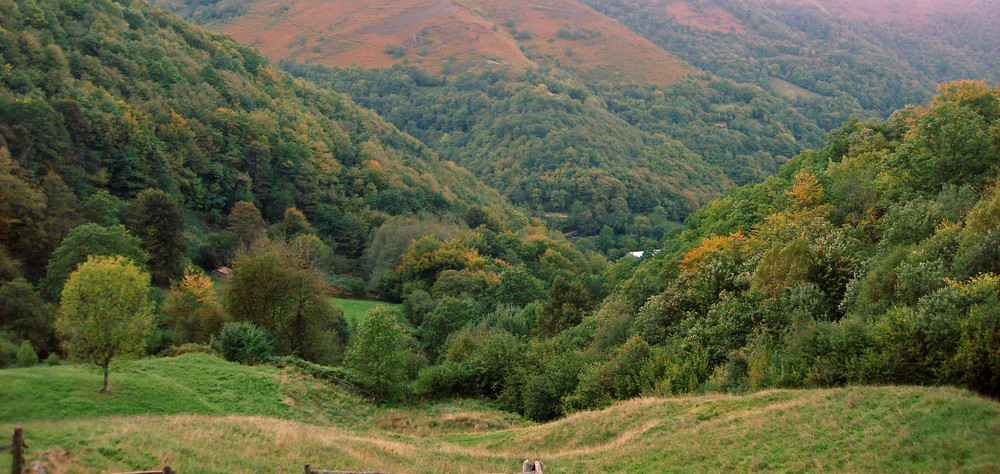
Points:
x=847 y=67
x=586 y=155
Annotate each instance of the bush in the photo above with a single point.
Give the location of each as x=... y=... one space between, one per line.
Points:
x=8 y=350
x=188 y=348
x=978 y=357
x=543 y=394
x=245 y=343
x=26 y=355
x=53 y=360
x=619 y=378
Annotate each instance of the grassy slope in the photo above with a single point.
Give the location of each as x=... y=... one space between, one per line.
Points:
x=354 y=310
x=853 y=429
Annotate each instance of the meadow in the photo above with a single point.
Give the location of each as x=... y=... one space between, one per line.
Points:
x=198 y=413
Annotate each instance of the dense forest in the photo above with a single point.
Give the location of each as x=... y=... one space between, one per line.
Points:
x=871 y=261
x=136 y=145
x=595 y=154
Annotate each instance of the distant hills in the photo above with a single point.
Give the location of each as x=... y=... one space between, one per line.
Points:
x=442 y=36
x=829 y=58
x=735 y=88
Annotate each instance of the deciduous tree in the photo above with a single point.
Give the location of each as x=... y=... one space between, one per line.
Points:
x=157 y=219
x=105 y=312
x=89 y=240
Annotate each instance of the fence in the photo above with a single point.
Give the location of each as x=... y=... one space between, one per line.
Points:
x=18 y=446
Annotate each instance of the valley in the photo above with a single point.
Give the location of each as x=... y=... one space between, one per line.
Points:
x=409 y=235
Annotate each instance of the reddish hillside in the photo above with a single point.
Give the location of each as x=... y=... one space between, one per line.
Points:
x=891 y=11
x=453 y=35
x=714 y=17
x=707 y=17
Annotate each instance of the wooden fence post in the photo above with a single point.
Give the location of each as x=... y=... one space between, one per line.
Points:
x=17 y=449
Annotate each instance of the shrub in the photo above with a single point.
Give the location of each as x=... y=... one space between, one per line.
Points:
x=245 y=343
x=619 y=378
x=8 y=350
x=978 y=356
x=188 y=348
x=26 y=355
x=53 y=360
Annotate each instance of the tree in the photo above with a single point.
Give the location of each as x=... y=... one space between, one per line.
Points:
x=567 y=303
x=105 y=312
x=948 y=144
x=293 y=223
x=283 y=294
x=89 y=240
x=449 y=316
x=246 y=222
x=157 y=219
x=517 y=287
x=192 y=308
x=24 y=313
x=378 y=353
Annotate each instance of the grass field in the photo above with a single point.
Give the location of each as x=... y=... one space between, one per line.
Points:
x=354 y=310
x=198 y=413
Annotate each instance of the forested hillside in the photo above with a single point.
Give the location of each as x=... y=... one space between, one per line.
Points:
x=872 y=261
x=138 y=152
x=630 y=157
x=544 y=124
x=591 y=127
x=99 y=101
x=850 y=58
x=127 y=133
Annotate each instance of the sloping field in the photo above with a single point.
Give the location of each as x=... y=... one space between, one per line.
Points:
x=453 y=35
x=851 y=429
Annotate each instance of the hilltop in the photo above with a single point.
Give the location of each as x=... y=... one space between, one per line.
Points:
x=849 y=429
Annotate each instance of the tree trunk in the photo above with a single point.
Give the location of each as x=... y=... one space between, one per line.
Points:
x=105 y=365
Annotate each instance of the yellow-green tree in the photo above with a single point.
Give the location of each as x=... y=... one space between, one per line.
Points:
x=194 y=312
x=105 y=312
